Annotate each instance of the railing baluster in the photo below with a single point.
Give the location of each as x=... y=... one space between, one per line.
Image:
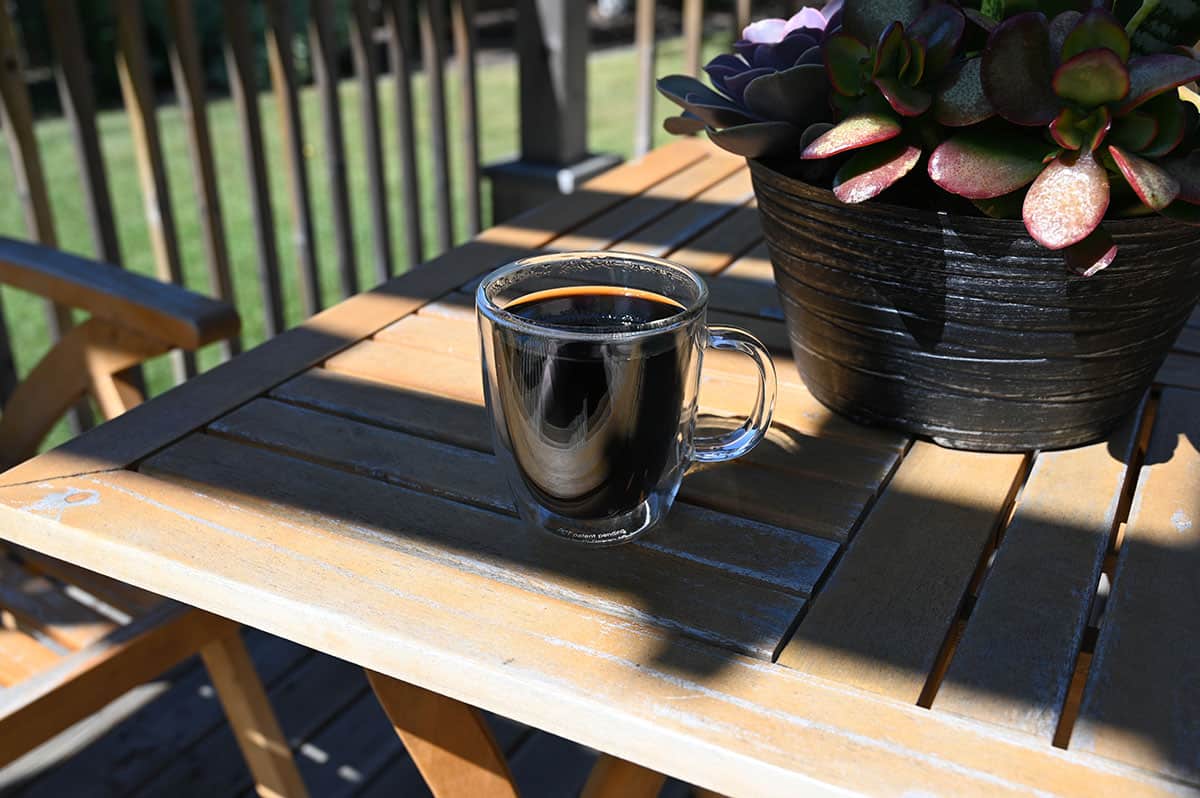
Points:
x=133 y=70
x=433 y=53
x=743 y=17
x=324 y=49
x=643 y=128
x=693 y=34
x=240 y=66
x=396 y=16
x=188 y=76
x=463 y=27
x=16 y=120
x=366 y=68
x=291 y=130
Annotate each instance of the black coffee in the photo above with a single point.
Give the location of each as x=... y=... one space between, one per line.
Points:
x=596 y=426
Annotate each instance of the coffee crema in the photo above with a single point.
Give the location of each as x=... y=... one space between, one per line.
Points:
x=596 y=427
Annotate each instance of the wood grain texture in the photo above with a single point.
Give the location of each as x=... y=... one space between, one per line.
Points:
x=616 y=778
x=880 y=620
x=215 y=392
x=748 y=286
x=281 y=61
x=462 y=24
x=771 y=556
x=1015 y=661
x=688 y=221
x=629 y=582
x=664 y=702
x=1143 y=689
x=431 y=23
x=712 y=250
x=366 y=71
x=450 y=741
x=36 y=602
x=397 y=23
x=116 y=595
x=21 y=657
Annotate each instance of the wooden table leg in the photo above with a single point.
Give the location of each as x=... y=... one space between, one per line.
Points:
x=254 y=724
x=617 y=778
x=447 y=739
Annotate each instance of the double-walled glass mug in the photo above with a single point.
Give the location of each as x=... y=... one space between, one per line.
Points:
x=591 y=365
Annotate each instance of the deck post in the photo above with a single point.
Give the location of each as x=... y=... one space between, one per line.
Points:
x=552 y=49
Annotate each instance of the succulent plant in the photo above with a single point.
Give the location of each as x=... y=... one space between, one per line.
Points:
x=767 y=93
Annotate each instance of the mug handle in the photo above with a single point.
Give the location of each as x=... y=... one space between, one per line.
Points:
x=735 y=443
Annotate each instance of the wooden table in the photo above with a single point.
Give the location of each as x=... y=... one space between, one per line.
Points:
x=846 y=608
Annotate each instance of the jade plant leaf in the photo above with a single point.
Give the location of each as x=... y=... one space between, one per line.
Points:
x=1006 y=206
x=866 y=19
x=905 y=100
x=916 y=67
x=853 y=133
x=1076 y=130
x=1151 y=75
x=1186 y=171
x=1094 y=77
x=961 y=100
x=799 y=94
x=978 y=166
x=1067 y=201
x=1097 y=28
x=757 y=139
x=1172 y=123
x=1157 y=26
x=1060 y=28
x=1155 y=186
x=1016 y=70
x=1091 y=254
x=888 y=50
x=871 y=171
x=939 y=29
x=676 y=88
x=845 y=63
x=684 y=124
x=718 y=115
x=1134 y=131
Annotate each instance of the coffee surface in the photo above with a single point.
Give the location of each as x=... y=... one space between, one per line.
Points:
x=595 y=427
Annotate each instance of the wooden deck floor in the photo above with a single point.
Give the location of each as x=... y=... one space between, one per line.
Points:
x=169 y=738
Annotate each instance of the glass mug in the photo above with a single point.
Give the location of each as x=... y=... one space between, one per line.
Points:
x=591 y=367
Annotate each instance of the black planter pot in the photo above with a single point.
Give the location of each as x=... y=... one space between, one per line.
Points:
x=962 y=328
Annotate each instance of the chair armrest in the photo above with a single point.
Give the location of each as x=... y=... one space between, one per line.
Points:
x=164 y=312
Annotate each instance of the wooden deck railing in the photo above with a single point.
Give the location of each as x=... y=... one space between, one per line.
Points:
x=550 y=34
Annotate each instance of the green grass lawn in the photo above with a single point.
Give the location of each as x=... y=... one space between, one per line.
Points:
x=611 y=76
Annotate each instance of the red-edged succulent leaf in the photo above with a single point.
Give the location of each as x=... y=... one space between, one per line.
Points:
x=1074 y=130
x=1171 y=116
x=961 y=100
x=905 y=57
x=845 y=64
x=1186 y=171
x=853 y=133
x=871 y=171
x=939 y=29
x=683 y=125
x=1155 y=186
x=1151 y=75
x=1134 y=131
x=905 y=100
x=1006 y=206
x=866 y=19
x=1094 y=77
x=978 y=166
x=1067 y=201
x=813 y=132
x=1091 y=254
x=916 y=65
x=887 y=51
x=1060 y=28
x=1016 y=70
x=798 y=95
x=1097 y=28
x=757 y=139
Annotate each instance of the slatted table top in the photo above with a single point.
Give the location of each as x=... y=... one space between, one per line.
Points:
x=846 y=607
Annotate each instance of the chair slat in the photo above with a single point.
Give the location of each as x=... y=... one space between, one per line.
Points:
x=1017 y=655
x=432 y=25
x=643 y=36
x=1188 y=341
x=463 y=25
x=396 y=19
x=239 y=61
x=322 y=36
x=881 y=619
x=16 y=119
x=137 y=91
x=366 y=69
x=22 y=657
x=72 y=73
x=291 y=130
x=693 y=34
x=188 y=75
x=118 y=595
x=37 y=602
x=1144 y=687
x=1180 y=370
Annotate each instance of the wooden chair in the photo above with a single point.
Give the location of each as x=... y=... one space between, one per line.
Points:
x=72 y=640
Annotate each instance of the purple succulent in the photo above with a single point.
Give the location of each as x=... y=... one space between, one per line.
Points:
x=767 y=93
